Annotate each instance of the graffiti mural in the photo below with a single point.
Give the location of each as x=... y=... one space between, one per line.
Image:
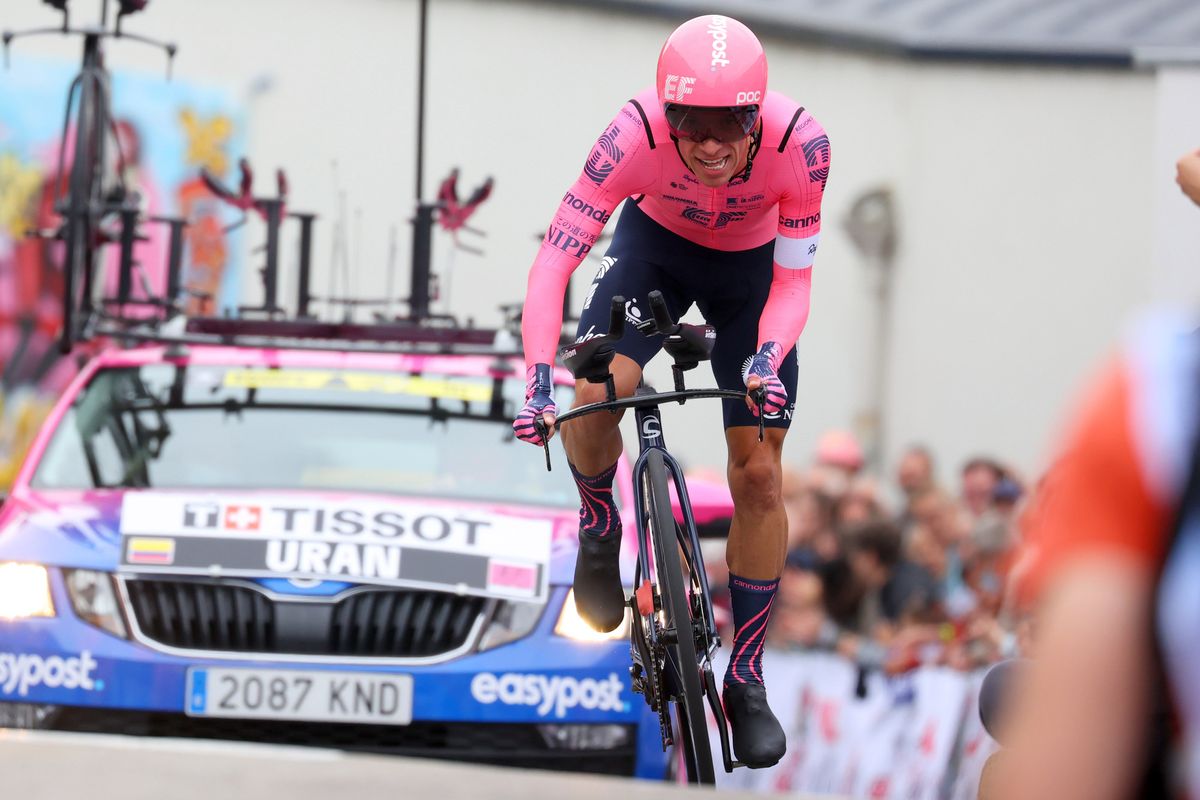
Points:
x=167 y=131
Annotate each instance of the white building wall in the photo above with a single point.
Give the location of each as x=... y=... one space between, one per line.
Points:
x=1025 y=195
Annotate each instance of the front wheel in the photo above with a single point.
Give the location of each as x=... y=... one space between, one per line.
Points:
x=683 y=666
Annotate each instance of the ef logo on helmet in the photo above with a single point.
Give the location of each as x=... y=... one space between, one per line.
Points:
x=677 y=87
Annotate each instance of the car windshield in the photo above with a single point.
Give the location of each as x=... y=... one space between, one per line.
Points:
x=210 y=427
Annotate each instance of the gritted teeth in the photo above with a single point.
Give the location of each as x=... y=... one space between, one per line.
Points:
x=718 y=163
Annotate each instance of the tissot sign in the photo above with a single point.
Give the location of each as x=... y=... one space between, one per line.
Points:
x=360 y=540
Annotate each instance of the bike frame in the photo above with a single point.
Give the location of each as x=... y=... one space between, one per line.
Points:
x=648 y=420
x=650 y=437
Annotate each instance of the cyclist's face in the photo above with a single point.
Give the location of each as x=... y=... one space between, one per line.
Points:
x=715 y=163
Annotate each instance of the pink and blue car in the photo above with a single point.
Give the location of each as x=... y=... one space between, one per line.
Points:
x=336 y=548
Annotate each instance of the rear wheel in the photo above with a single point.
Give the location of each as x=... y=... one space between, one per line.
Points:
x=683 y=668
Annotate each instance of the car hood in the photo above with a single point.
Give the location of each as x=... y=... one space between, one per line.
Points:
x=82 y=529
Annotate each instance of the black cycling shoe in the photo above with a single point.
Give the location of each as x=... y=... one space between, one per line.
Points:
x=758 y=738
x=598 y=592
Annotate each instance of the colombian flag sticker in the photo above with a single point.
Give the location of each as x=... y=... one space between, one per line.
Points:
x=150 y=551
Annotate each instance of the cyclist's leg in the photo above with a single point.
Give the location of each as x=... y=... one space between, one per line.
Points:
x=593 y=443
x=758 y=533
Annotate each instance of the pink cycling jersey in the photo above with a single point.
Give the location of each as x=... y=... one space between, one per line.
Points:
x=636 y=155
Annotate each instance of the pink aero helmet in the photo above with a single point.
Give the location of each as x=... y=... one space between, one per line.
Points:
x=712 y=62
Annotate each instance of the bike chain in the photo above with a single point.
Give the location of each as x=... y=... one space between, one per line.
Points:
x=647 y=681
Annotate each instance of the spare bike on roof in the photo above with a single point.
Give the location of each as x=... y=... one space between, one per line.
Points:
x=99 y=210
x=673 y=638
x=96 y=193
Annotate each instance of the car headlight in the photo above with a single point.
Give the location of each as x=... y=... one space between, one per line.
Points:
x=24 y=591
x=572 y=626
x=94 y=598
x=513 y=620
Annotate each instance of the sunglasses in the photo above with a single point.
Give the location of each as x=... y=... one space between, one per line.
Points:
x=701 y=123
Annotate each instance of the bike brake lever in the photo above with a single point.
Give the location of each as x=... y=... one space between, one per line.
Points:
x=544 y=435
x=759 y=396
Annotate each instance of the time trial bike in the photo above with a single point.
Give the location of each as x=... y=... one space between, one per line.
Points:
x=673 y=635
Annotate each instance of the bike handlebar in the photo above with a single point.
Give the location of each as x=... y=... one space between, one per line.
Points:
x=645 y=400
x=127 y=7
x=650 y=399
x=694 y=343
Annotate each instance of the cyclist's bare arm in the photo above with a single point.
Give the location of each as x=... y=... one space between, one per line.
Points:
x=1078 y=726
x=1188 y=175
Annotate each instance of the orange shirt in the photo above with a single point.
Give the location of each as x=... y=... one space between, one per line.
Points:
x=1097 y=495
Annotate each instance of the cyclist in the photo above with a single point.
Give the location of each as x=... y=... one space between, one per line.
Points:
x=724 y=181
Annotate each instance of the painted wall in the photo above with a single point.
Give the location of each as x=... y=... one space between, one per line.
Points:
x=1026 y=196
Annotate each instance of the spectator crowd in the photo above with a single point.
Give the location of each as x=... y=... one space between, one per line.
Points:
x=896 y=584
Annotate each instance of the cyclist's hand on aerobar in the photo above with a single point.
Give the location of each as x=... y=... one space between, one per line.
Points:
x=760 y=372
x=539 y=402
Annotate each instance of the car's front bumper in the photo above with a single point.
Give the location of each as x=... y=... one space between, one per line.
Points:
x=63 y=674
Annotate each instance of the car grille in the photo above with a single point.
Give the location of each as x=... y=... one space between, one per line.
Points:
x=230 y=617
x=508 y=744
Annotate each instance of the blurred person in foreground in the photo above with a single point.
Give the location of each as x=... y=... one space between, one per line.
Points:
x=707 y=137
x=1115 y=566
x=1187 y=175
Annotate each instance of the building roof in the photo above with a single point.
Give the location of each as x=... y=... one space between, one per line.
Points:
x=1101 y=32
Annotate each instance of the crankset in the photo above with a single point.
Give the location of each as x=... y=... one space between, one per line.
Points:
x=718 y=710
x=648 y=660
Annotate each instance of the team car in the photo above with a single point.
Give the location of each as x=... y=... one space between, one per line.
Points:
x=306 y=546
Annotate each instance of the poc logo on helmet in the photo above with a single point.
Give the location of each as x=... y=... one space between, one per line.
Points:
x=716 y=29
x=677 y=87
x=745 y=98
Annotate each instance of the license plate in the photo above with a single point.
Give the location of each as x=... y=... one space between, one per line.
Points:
x=299 y=695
